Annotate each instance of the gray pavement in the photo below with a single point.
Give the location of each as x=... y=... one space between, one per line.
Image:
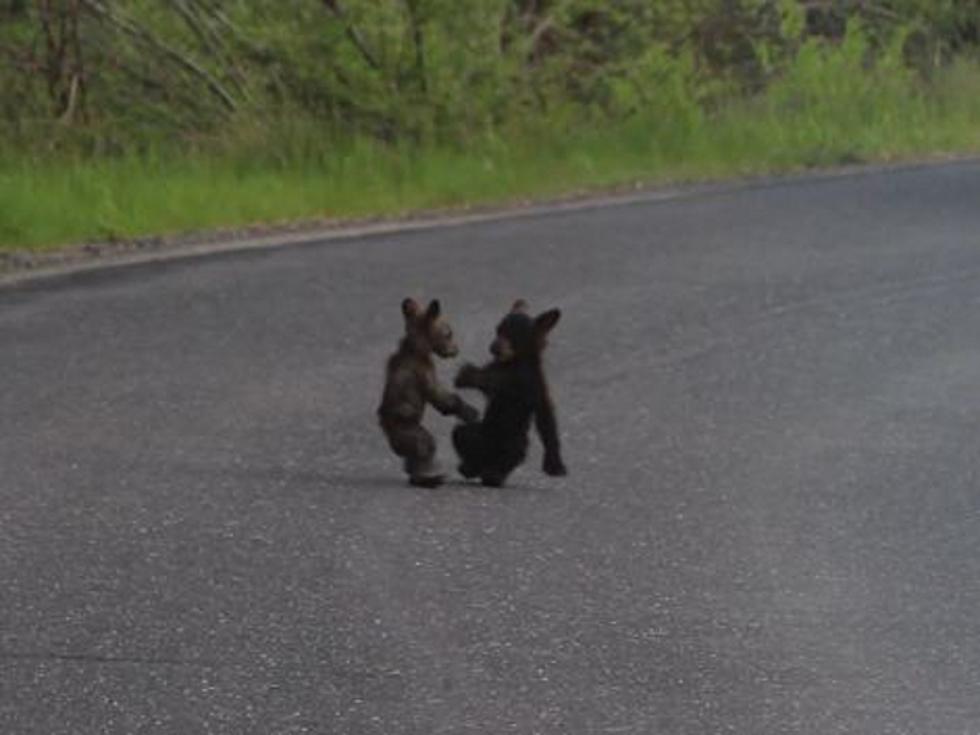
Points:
x=770 y=406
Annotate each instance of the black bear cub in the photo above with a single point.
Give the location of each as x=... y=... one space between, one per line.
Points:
x=516 y=389
x=411 y=383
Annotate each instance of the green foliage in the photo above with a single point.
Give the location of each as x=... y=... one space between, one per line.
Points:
x=110 y=75
x=829 y=105
x=120 y=117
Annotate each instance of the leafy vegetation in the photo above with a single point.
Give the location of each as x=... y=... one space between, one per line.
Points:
x=124 y=117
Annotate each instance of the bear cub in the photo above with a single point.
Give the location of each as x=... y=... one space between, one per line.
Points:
x=515 y=386
x=411 y=383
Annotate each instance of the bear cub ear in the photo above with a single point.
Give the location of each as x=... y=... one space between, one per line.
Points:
x=434 y=310
x=545 y=322
x=410 y=308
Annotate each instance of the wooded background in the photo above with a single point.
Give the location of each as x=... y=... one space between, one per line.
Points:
x=107 y=75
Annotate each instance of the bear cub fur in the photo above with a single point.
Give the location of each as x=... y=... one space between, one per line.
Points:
x=411 y=383
x=515 y=386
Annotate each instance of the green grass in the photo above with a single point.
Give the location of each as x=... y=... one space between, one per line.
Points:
x=827 y=109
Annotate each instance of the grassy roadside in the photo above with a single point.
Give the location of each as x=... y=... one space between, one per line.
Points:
x=827 y=110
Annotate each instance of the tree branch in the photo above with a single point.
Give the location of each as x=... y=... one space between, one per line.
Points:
x=335 y=7
x=138 y=32
x=194 y=17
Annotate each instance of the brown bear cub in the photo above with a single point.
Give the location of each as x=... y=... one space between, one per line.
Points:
x=410 y=383
x=516 y=389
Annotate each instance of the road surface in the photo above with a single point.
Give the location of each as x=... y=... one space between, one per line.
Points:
x=769 y=398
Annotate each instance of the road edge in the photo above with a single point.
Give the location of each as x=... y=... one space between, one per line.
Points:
x=22 y=267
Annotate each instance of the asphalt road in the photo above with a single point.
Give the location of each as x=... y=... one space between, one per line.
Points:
x=770 y=404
